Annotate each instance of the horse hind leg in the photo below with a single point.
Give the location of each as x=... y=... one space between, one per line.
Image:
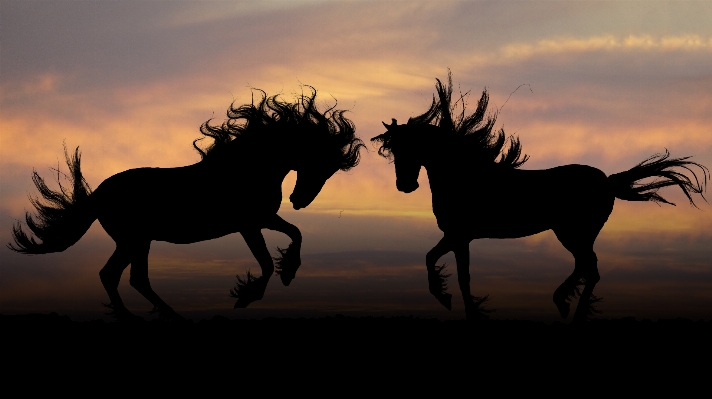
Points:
x=139 y=281
x=110 y=276
x=585 y=273
x=588 y=264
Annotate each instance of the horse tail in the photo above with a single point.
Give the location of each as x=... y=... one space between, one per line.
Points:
x=62 y=217
x=667 y=171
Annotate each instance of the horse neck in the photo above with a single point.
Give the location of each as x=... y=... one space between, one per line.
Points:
x=448 y=166
x=436 y=153
x=268 y=152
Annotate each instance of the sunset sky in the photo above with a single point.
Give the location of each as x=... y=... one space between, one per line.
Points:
x=605 y=84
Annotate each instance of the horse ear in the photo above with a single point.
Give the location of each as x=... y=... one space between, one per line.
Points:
x=394 y=123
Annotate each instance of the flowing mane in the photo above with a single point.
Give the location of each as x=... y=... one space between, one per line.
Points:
x=472 y=134
x=273 y=114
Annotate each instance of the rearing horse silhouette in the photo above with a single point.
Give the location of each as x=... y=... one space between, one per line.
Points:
x=236 y=187
x=476 y=195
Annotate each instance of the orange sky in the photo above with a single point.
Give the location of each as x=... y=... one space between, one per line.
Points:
x=609 y=84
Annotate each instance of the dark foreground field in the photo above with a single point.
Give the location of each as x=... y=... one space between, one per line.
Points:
x=379 y=343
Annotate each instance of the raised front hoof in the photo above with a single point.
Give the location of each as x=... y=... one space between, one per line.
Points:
x=445 y=300
x=287 y=264
x=287 y=278
x=243 y=302
x=122 y=314
x=248 y=290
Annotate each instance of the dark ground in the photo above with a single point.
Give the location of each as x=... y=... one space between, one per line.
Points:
x=348 y=356
x=385 y=344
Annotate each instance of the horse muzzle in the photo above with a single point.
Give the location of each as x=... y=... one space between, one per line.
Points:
x=298 y=203
x=407 y=187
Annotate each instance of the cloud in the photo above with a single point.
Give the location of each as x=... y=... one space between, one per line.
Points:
x=520 y=51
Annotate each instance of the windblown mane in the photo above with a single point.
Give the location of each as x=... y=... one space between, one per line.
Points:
x=272 y=113
x=472 y=134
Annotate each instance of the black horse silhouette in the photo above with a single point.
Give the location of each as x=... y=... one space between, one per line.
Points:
x=476 y=195
x=238 y=185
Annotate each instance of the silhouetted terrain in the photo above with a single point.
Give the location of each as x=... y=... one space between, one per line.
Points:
x=340 y=354
x=400 y=340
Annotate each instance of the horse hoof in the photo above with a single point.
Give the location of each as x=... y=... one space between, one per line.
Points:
x=286 y=279
x=564 y=309
x=445 y=300
x=243 y=302
x=248 y=290
x=287 y=263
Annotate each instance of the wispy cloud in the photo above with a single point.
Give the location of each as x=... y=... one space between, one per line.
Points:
x=518 y=51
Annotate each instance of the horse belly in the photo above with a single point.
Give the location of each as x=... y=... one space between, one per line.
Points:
x=495 y=224
x=504 y=230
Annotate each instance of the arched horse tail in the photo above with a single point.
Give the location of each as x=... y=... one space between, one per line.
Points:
x=63 y=216
x=667 y=172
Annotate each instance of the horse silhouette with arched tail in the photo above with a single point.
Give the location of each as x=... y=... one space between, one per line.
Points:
x=478 y=191
x=236 y=187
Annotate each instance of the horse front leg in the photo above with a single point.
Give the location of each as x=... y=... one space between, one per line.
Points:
x=473 y=305
x=253 y=288
x=289 y=259
x=437 y=279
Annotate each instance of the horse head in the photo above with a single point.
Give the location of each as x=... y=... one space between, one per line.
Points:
x=311 y=177
x=314 y=143
x=401 y=145
x=331 y=147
